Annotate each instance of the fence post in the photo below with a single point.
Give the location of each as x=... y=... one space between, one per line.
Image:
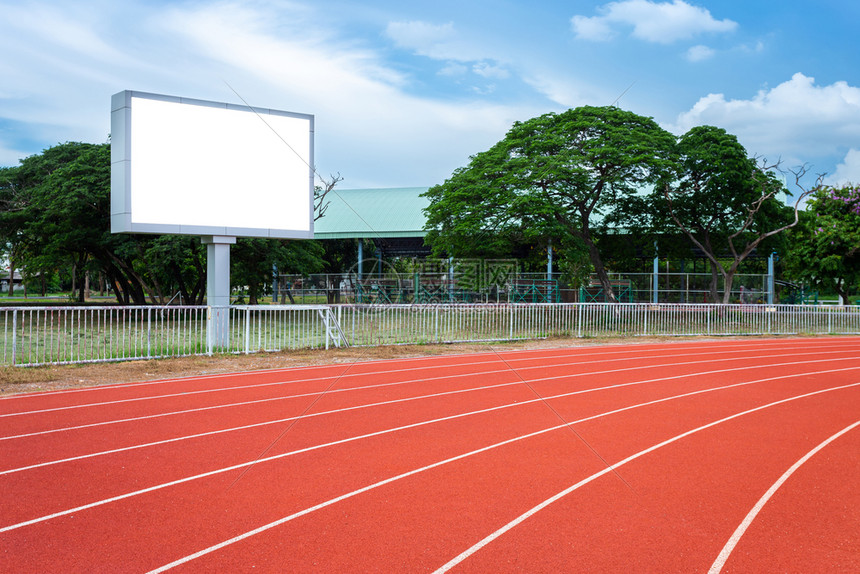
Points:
x=708 y=316
x=437 y=323
x=579 y=320
x=14 y=334
x=770 y=279
x=327 y=317
x=148 y=332
x=511 y=322
x=645 y=321
x=655 y=284
x=210 y=327
x=247 y=330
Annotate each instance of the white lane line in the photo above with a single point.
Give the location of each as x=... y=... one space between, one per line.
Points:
x=388 y=431
x=227 y=405
x=543 y=379
x=345 y=376
x=507 y=527
x=256 y=401
x=556 y=352
x=420 y=397
x=458 y=559
x=342 y=376
x=255 y=425
x=724 y=554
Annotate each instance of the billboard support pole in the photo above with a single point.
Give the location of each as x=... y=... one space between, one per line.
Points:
x=218 y=289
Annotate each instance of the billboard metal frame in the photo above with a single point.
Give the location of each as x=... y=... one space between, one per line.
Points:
x=123 y=218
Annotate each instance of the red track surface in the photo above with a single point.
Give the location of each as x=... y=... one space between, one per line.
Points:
x=628 y=458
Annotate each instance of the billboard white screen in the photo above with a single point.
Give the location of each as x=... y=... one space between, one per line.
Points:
x=208 y=168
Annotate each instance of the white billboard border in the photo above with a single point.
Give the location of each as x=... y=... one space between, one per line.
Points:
x=121 y=217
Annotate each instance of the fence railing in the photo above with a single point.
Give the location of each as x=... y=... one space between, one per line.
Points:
x=57 y=335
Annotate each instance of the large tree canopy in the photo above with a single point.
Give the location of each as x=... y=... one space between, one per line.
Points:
x=553 y=176
x=722 y=200
x=825 y=247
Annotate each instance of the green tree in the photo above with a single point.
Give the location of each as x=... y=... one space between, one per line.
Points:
x=56 y=215
x=554 y=176
x=39 y=237
x=10 y=224
x=824 y=250
x=253 y=261
x=723 y=201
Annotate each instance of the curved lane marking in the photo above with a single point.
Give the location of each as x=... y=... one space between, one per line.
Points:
x=539 y=354
x=408 y=399
x=467 y=553
x=345 y=375
x=507 y=370
x=383 y=432
x=724 y=554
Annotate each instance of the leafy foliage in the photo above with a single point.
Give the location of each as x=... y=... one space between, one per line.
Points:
x=722 y=200
x=554 y=176
x=825 y=247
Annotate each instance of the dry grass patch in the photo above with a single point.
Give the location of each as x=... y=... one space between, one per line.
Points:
x=58 y=377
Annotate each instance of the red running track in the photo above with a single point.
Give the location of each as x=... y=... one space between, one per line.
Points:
x=726 y=456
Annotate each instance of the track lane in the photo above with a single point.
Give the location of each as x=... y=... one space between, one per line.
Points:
x=206 y=384
x=811 y=521
x=87 y=436
x=683 y=500
x=394 y=528
x=130 y=470
x=184 y=499
x=203 y=523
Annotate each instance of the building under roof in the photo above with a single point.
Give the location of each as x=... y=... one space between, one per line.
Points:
x=393 y=218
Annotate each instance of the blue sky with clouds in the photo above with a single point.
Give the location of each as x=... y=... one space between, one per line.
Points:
x=404 y=92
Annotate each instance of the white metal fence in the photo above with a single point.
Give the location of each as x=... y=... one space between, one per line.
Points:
x=57 y=335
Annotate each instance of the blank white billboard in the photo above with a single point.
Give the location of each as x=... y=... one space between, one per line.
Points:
x=207 y=168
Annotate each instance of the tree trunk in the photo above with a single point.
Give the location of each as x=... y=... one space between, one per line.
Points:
x=839 y=287
x=729 y=278
x=602 y=276
x=119 y=290
x=599 y=269
x=713 y=295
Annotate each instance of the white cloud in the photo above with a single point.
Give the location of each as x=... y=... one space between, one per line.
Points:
x=561 y=89
x=487 y=70
x=10 y=157
x=596 y=29
x=795 y=120
x=354 y=96
x=436 y=41
x=847 y=172
x=454 y=69
x=424 y=38
x=660 y=22
x=699 y=53
x=367 y=127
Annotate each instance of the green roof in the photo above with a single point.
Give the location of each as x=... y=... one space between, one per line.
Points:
x=373 y=213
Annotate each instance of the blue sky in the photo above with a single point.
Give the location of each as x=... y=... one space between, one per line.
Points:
x=404 y=92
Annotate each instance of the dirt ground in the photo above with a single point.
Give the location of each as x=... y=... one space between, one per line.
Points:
x=15 y=380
